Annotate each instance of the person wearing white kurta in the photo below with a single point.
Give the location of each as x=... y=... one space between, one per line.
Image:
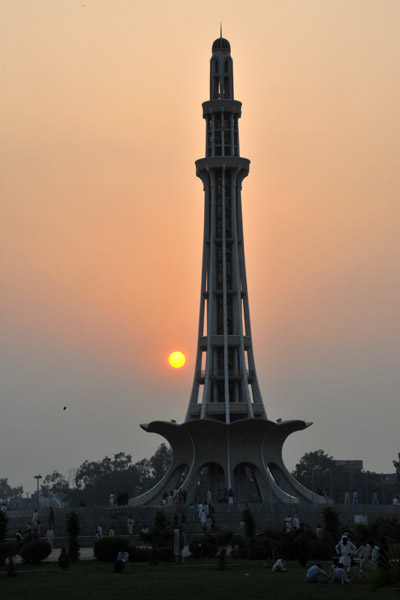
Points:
x=364 y=554
x=346 y=549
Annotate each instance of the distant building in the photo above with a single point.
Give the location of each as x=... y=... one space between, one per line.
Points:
x=350 y=465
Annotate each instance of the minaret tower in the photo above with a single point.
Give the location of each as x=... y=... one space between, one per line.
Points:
x=225 y=384
x=226 y=441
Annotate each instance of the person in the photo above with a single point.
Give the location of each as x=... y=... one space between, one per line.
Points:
x=346 y=497
x=313 y=573
x=51 y=519
x=279 y=566
x=375 y=554
x=339 y=575
x=326 y=496
x=35 y=518
x=203 y=519
x=346 y=550
x=355 y=497
x=99 y=532
x=209 y=524
x=319 y=531
x=288 y=523
x=191 y=512
x=123 y=556
x=209 y=496
x=50 y=537
x=364 y=554
x=131 y=525
x=375 y=497
x=112 y=499
x=4 y=507
x=111 y=533
x=395 y=501
x=145 y=530
x=18 y=536
x=199 y=509
x=296 y=522
x=28 y=532
x=355 y=574
x=63 y=560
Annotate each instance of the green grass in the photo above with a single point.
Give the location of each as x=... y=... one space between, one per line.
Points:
x=193 y=580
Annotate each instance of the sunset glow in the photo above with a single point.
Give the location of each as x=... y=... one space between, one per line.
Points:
x=101 y=220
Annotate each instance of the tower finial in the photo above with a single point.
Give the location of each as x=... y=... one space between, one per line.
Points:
x=220 y=29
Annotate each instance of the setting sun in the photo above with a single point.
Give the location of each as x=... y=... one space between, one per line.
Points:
x=177 y=359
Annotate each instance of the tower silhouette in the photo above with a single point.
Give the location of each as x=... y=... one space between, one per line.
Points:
x=226 y=441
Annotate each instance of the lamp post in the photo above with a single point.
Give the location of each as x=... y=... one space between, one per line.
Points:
x=38 y=478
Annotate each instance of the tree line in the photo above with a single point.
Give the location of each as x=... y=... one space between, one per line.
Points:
x=94 y=481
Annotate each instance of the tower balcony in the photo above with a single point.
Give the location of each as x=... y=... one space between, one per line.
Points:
x=235 y=408
x=219 y=375
x=218 y=341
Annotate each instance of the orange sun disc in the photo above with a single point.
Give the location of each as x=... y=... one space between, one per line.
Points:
x=177 y=359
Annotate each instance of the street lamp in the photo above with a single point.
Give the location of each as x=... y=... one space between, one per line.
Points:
x=38 y=478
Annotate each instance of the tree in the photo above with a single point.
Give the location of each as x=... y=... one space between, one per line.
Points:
x=55 y=485
x=318 y=470
x=9 y=494
x=73 y=529
x=396 y=464
x=160 y=462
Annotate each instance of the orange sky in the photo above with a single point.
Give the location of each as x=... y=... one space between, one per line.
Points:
x=101 y=220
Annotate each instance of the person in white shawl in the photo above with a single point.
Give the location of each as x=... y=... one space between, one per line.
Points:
x=346 y=550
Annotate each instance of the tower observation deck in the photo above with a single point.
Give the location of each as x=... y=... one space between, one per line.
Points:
x=225 y=383
x=226 y=440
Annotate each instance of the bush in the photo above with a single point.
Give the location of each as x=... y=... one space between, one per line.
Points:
x=3 y=525
x=73 y=529
x=7 y=550
x=203 y=547
x=35 y=551
x=107 y=548
x=140 y=554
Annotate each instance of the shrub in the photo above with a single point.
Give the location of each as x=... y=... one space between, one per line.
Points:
x=3 y=525
x=140 y=554
x=8 y=550
x=35 y=551
x=331 y=521
x=249 y=523
x=203 y=547
x=107 y=548
x=73 y=529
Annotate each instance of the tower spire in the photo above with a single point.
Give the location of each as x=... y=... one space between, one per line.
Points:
x=220 y=29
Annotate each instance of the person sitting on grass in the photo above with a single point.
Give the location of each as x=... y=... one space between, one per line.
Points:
x=313 y=573
x=339 y=575
x=122 y=559
x=279 y=566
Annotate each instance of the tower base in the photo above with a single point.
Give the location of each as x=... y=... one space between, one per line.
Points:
x=245 y=456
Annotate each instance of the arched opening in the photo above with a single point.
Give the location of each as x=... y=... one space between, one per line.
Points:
x=211 y=477
x=245 y=483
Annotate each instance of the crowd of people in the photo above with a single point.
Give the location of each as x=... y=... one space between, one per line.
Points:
x=350 y=566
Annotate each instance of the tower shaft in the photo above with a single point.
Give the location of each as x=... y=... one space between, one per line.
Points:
x=225 y=384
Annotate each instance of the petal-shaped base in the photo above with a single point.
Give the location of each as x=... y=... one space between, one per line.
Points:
x=249 y=446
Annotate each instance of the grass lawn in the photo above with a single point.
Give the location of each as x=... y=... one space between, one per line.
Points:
x=194 y=580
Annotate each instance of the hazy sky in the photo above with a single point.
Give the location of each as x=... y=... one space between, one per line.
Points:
x=102 y=216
